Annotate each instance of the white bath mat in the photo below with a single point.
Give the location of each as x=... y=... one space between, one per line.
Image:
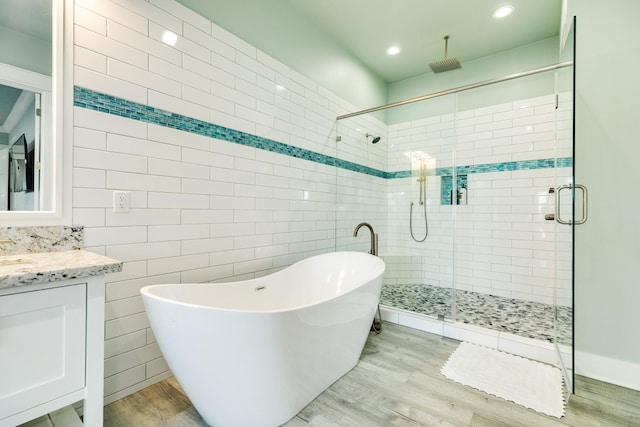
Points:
x=528 y=383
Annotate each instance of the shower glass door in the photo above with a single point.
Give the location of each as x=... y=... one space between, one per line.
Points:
x=505 y=159
x=565 y=213
x=401 y=185
x=421 y=208
x=360 y=181
x=463 y=191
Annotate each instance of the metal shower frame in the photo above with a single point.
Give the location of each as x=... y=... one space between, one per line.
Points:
x=458 y=89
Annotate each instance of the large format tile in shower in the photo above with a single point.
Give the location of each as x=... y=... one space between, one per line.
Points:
x=518 y=317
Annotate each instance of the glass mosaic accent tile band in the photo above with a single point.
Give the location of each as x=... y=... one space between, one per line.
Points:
x=96 y=101
x=101 y=102
x=561 y=162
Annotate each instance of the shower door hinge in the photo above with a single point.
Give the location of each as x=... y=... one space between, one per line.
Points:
x=338 y=138
x=38 y=112
x=557 y=101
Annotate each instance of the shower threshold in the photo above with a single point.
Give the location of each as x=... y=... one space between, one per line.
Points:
x=518 y=317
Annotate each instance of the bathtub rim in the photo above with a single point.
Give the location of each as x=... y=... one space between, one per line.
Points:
x=145 y=291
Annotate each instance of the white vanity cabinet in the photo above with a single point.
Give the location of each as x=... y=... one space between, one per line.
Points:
x=51 y=350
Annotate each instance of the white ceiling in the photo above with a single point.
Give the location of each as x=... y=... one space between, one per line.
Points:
x=32 y=17
x=366 y=28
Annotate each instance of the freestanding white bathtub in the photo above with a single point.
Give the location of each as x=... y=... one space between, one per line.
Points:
x=254 y=353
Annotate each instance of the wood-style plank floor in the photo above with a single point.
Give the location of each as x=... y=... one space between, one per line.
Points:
x=397 y=383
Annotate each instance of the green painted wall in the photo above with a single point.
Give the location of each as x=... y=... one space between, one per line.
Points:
x=311 y=53
x=607 y=287
x=23 y=51
x=501 y=64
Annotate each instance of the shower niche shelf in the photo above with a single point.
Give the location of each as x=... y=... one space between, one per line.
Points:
x=453 y=194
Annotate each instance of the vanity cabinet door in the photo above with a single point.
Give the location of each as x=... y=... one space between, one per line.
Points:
x=42 y=346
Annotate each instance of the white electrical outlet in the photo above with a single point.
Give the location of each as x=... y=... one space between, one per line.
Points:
x=121 y=201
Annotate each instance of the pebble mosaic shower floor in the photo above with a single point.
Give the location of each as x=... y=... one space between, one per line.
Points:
x=518 y=317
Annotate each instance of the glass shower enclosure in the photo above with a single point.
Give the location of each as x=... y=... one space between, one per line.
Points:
x=461 y=189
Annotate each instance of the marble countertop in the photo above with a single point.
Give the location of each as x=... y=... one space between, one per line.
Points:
x=44 y=267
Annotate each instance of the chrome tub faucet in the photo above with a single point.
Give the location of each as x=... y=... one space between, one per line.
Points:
x=374 y=237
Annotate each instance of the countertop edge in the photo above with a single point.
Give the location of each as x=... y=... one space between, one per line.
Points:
x=57 y=266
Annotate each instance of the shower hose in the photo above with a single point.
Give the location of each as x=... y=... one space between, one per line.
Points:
x=426 y=226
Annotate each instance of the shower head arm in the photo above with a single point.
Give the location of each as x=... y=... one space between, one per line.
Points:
x=446 y=46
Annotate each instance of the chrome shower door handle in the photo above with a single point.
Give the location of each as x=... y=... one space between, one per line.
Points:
x=557 y=194
x=585 y=204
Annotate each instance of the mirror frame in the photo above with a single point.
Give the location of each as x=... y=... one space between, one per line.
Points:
x=61 y=123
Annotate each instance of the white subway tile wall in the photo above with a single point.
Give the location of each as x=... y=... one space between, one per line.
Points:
x=498 y=242
x=361 y=197
x=202 y=210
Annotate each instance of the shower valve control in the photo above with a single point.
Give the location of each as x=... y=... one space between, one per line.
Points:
x=550 y=217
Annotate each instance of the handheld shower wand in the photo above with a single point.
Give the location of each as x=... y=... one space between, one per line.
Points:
x=422 y=182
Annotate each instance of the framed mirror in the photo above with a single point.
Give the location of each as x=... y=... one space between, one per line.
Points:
x=31 y=111
x=25 y=135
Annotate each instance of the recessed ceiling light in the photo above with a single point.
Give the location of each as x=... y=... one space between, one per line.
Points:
x=503 y=11
x=393 y=50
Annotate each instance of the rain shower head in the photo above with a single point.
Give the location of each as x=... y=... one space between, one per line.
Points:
x=446 y=64
x=375 y=139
